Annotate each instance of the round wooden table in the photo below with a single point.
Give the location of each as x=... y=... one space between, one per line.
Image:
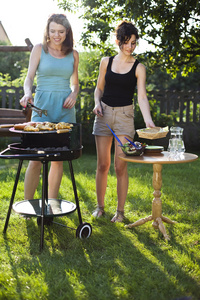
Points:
x=157 y=159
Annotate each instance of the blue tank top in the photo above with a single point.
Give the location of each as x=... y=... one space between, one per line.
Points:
x=53 y=87
x=54 y=73
x=119 y=88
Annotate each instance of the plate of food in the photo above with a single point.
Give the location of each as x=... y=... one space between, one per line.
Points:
x=153 y=133
x=41 y=127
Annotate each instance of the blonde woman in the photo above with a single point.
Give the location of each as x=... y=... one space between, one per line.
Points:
x=55 y=63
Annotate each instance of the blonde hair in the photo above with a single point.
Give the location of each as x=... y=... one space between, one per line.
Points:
x=67 y=46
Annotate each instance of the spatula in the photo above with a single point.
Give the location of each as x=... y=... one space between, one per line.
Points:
x=132 y=143
x=115 y=136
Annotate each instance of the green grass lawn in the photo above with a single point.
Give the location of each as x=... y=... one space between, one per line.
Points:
x=115 y=262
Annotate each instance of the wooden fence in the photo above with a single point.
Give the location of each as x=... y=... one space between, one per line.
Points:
x=185 y=108
x=184 y=105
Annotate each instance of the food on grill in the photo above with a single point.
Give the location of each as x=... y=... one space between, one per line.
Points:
x=63 y=125
x=51 y=138
x=52 y=125
x=63 y=130
x=20 y=126
x=44 y=126
x=30 y=128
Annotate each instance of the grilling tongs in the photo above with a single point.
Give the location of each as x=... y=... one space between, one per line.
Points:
x=39 y=111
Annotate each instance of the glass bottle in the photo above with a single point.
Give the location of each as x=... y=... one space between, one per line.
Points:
x=176 y=143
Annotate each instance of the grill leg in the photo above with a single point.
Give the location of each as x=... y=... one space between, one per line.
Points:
x=75 y=191
x=13 y=195
x=44 y=201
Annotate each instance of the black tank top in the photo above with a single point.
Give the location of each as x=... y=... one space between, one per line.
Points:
x=119 y=88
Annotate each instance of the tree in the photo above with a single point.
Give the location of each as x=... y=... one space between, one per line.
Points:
x=13 y=63
x=171 y=26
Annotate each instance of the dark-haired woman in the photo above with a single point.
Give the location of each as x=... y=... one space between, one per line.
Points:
x=118 y=77
x=55 y=63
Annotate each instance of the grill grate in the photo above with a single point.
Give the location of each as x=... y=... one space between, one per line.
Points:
x=46 y=149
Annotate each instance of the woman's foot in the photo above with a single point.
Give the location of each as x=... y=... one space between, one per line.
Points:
x=99 y=212
x=118 y=217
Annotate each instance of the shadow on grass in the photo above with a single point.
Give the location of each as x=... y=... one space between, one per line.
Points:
x=167 y=259
x=115 y=263
x=111 y=259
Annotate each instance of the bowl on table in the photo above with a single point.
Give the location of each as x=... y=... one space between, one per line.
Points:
x=136 y=150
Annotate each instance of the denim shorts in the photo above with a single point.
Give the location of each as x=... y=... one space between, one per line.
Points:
x=120 y=119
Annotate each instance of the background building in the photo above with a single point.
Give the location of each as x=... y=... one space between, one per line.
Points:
x=3 y=35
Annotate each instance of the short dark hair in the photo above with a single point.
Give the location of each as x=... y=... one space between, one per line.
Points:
x=124 y=31
x=67 y=46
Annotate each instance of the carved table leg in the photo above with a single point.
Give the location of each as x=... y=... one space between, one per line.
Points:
x=167 y=220
x=156 y=205
x=157 y=184
x=139 y=222
x=161 y=226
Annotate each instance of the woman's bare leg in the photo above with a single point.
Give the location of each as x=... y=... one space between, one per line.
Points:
x=32 y=178
x=103 y=146
x=122 y=181
x=55 y=177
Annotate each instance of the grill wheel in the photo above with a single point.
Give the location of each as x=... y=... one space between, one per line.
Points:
x=84 y=231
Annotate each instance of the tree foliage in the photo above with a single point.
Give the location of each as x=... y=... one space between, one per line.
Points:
x=171 y=26
x=13 y=63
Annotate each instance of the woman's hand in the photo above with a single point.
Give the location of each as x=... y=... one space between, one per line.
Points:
x=70 y=101
x=150 y=123
x=98 y=110
x=26 y=98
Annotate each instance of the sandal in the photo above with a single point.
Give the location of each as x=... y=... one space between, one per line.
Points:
x=118 y=217
x=99 y=212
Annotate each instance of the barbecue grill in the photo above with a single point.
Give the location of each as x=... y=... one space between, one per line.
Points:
x=46 y=146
